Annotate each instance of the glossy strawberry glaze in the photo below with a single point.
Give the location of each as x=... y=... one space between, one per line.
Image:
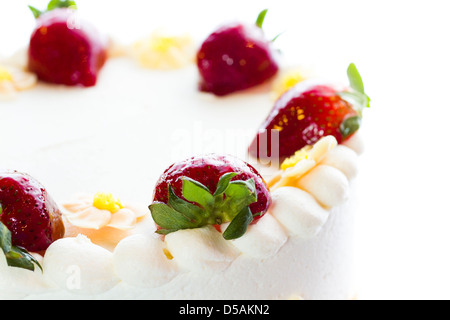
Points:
x=235 y=58
x=301 y=118
x=207 y=170
x=29 y=213
x=65 y=50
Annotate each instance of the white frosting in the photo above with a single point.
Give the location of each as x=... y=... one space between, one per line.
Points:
x=327 y=184
x=16 y=282
x=201 y=249
x=344 y=159
x=355 y=143
x=139 y=260
x=298 y=211
x=78 y=266
x=262 y=239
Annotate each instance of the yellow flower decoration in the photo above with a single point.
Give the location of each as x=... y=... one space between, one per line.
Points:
x=286 y=81
x=164 y=51
x=298 y=156
x=295 y=167
x=5 y=75
x=103 y=210
x=13 y=80
x=106 y=201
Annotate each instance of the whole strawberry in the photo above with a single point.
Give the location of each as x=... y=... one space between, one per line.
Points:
x=209 y=190
x=308 y=112
x=28 y=212
x=236 y=57
x=64 y=49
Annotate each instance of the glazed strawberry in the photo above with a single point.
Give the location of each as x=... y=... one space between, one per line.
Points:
x=28 y=212
x=236 y=57
x=308 y=112
x=64 y=49
x=209 y=190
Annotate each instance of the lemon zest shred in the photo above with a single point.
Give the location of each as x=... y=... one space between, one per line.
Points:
x=167 y=254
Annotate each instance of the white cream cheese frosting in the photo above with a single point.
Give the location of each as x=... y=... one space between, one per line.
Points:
x=140 y=260
x=79 y=266
x=298 y=211
x=301 y=247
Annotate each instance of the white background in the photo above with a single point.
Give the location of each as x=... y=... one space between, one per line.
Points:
x=401 y=48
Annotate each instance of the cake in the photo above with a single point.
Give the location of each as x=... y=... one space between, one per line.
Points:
x=119 y=159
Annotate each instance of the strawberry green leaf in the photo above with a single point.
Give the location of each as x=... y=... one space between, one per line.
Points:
x=36 y=12
x=20 y=258
x=240 y=188
x=186 y=208
x=170 y=219
x=238 y=195
x=349 y=126
x=15 y=256
x=356 y=83
x=200 y=208
x=224 y=181
x=355 y=78
x=261 y=17
x=259 y=214
x=356 y=99
x=251 y=185
x=55 y=4
x=239 y=225
x=196 y=192
x=5 y=238
x=277 y=36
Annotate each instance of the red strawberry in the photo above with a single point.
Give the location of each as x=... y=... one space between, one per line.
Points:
x=28 y=212
x=63 y=49
x=209 y=190
x=308 y=112
x=235 y=57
